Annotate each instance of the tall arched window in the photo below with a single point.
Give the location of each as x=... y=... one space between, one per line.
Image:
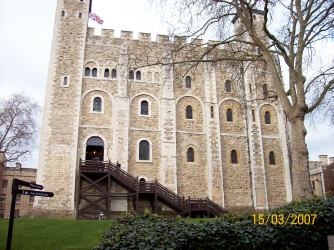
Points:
x=144 y=150
x=106 y=73
x=94 y=72
x=189 y=112
x=188 y=82
x=138 y=75
x=267 y=117
x=63 y=13
x=228 y=86
x=87 y=71
x=271 y=158
x=190 y=155
x=65 y=81
x=212 y=113
x=131 y=75
x=80 y=15
x=234 y=157
x=265 y=89
x=149 y=76
x=113 y=74
x=144 y=108
x=229 y=115
x=97 y=105
x=157 y=77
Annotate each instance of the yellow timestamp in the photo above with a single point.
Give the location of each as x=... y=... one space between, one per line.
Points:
x=281 y=219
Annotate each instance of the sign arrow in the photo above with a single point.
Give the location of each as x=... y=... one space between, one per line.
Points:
x=35 y=193
x=31 y=185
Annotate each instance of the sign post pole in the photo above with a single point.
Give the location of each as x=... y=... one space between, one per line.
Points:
x=15 y=186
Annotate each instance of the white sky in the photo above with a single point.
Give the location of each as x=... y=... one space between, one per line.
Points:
x=26 y=28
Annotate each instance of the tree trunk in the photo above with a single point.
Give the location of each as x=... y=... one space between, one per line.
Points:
x=301 y=185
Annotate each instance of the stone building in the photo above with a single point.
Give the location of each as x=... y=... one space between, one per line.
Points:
x=193 y=133
x=322 y=175
x=23 y=202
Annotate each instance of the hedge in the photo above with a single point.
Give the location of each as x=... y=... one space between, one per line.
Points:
x=151 y=231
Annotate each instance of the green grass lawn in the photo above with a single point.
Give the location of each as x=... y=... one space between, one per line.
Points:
x=45 y=234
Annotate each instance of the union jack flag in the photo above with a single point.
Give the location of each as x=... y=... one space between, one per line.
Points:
x=95 y=17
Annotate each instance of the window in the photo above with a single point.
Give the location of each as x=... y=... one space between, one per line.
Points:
x=265 y=89
x=149 y=76
x=131 y=75
x=229 y=115
x=4 y=184
x=190 y=155
x=80 y=15
x=157 y=77
x=253 y=115
x=106 y=73
x=2 y=197
x=113 y=74
x=259 y=52
x=188 y=82
x=31 y=199
x=97 y=105
x=250 y=88
x=94 y=72
x=189 y=112
x=234 y=157
x=212 y=113
x=138 y=75
x=267 y=117
x=271 y=158
x=144 y=150
x=18 y=198
x=63 y=13
x=65 y=81
x=228 y=86
x=87 y=71
x=313 y=184
x=144 y=108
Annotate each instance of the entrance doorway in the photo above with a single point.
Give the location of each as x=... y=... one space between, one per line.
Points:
x=95 y=149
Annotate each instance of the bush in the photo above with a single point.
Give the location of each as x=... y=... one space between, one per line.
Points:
x=151 y=231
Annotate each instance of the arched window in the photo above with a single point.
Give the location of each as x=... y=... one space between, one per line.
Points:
x=131 y=75
x=271 y=158
x=138 y=75
x=63 y=13
x=234 y=157
x=228 y=86
x=144 y=108
x=188 y=82
x=229 y=115
x=212 y=113
x=149 y=76
x=157 y=77
x=144 y=150
x=106 y=73
x=189 y=112
x=113 y=74
x=253 y=115
x=190 y=155
x=65 y=81
x=80 y=15
x=265 y=89
x=267 y=117
x=97 y=105
x=94 y=72
x=87 y=71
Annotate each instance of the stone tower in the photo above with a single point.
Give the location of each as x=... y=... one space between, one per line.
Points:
x=196 y=134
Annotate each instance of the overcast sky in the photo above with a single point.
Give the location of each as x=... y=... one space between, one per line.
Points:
x=26 y=28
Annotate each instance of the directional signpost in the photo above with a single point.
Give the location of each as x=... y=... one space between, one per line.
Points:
x=15 y=191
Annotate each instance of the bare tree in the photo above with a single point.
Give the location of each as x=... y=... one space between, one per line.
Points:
x=17 y=126
x=293 y=33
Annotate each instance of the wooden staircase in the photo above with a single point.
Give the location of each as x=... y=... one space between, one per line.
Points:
x=98 y=176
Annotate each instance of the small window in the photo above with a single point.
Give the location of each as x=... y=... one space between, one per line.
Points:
x=253 y=115
x=188 y=82
x=106 y=73
x=31 y=199
x=234 y=157
x=97 y=105
x=94 y=72
x=228 y=86
x=65 y=81
x=4 y=184
x=212 y=113
x=190 y=155
x=131 y=75
x=144 y=108
x=2 y=197
x=138 y=75
x=157 y=77
x=113 y=74
x=63 y=13
x=267 y=117
x=80 y=15
x=144 y=150
x=272 y=158
x=250 y=88
x=265 y=89
x=18 y=198
x=87 y=71
x=149 y=76
x=259 y=51
x=189 y=112
x=313 y=184
x=229 y=115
